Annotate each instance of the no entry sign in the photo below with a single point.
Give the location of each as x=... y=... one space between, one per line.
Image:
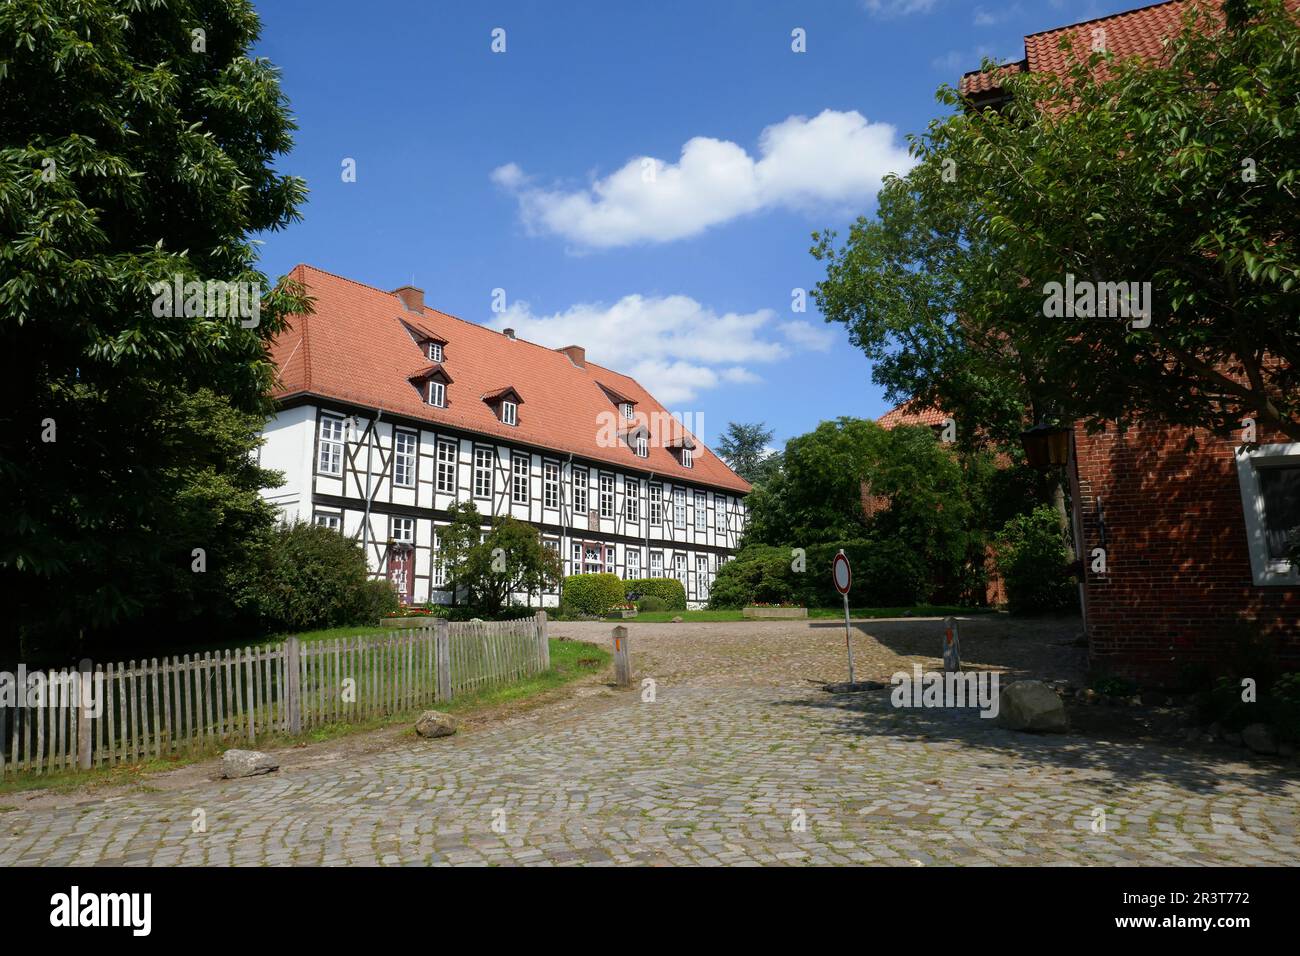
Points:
x=841 y=573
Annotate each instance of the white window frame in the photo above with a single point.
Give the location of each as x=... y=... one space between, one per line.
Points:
x=628 y=415
x=437 y=394
x=509 y=413
x=398 y=527
x=642 y=446
x=656 y=504
x=324 y=520
x=519 y=479
x=404 y=461
x=550 y=484
x=633 y=560
x=481 y=469
x=688 y=458
x=435 y=352
x=448 y=452
x=439 y=575
x=679 y=567
x=702 y=577
x=1266 y=571
x=333 y=440
x=631 y=499
x=679 y=507
x=701 y=511
x=606 y=496
x=581 y=501
x=656 y=564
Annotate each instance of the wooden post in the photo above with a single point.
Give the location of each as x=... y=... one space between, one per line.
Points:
x=84 y=711
x=622 y=661
x=442 y=651
x=951 y=645
x=543 y=645
x=292 y=657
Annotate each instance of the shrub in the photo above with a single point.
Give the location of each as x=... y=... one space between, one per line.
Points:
x=886 y=573
x=592 y=593
x=306 y=577
x=759 y=573
x=652 y=603
x=1031 y=556
x=670 y=590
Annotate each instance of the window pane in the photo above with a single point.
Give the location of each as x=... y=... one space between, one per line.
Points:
x=1280 y=489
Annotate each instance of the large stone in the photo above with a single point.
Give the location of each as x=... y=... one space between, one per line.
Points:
x=1260 y=738
x=246 y=763
x=434 y=723
x=1031 y=705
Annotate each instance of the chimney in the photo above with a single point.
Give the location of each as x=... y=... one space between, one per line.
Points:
x=576 y=353
x=412 y=298
x=508 y=333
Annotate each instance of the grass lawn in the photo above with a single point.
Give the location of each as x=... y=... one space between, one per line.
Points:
x=570 y=660
x=924 y=610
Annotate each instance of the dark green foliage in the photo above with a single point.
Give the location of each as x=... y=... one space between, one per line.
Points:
x=744 y=449
x=592 y=593
x=651 y=603
x=668 y=589
x=886 y=573
x=128 y=157
x=1032 y=557
x=759 y=573
x=305 y=577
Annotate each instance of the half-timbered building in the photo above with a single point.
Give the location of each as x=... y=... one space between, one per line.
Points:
x=390 y=412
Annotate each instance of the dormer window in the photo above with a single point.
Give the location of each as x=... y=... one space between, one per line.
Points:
x=627 y=411
x=509 y=412
x=505 y=403
x=688 y=458
x=437 y=394
x=642 y=446
x=434 y=351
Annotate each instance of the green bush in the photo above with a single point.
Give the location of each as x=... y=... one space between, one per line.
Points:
x=305 y=577
x=652 y=603
x=1031 y=556
x=886 y=573
x=758 y=573
x=592 y=593
x=669 y=589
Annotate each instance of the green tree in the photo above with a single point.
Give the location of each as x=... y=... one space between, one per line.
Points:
x=137 y=144
x=1179 y=173
x=510 y=560
x=745 y=450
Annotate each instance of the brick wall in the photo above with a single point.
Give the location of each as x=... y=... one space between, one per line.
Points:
x=1179 y=577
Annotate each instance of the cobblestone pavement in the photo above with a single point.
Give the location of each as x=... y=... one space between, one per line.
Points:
x=737 y=761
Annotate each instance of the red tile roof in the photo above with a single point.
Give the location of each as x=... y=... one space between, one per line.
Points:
x=1139 y=32
x=355 y=348
x=909 y=413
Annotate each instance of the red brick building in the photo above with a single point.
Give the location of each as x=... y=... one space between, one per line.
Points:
x=1194 y=539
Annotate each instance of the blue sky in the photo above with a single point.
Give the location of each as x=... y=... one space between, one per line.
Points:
x=640 y=179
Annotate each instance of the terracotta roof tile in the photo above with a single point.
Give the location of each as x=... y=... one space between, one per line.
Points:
x=909 y=413
x=1140 y=32
x=354 y=348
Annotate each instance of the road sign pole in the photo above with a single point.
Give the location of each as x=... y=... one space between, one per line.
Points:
x=848 y=640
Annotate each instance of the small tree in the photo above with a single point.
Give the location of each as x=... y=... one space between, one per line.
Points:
x=510 y=560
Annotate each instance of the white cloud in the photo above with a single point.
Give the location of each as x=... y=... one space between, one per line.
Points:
x=984 y=17
x=835 y=159
x=672 y=345
x=899 y=8
x=805 y=335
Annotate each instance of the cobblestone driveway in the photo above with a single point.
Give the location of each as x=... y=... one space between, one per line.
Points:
x=737 y=761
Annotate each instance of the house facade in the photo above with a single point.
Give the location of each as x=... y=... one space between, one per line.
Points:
x=390 y=413
x=1183 y=534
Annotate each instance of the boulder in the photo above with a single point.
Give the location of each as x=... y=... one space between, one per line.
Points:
x=1031 y=705
x=677 y=620
x=246 y=763
x=434 y=723
x=1260 y=738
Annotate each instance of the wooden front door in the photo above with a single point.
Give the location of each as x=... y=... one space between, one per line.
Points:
x=401 y=572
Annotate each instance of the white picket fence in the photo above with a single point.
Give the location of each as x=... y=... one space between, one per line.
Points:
x=156 y=708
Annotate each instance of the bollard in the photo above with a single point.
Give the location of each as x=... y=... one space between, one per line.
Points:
x=951 y=645
x=622 y=660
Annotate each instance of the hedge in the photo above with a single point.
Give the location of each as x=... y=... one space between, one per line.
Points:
x=592 y=593
x=1031 y=556
x=669 y=589
x=886 y=573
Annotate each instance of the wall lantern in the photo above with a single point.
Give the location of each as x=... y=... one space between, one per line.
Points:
x=1046 y=446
